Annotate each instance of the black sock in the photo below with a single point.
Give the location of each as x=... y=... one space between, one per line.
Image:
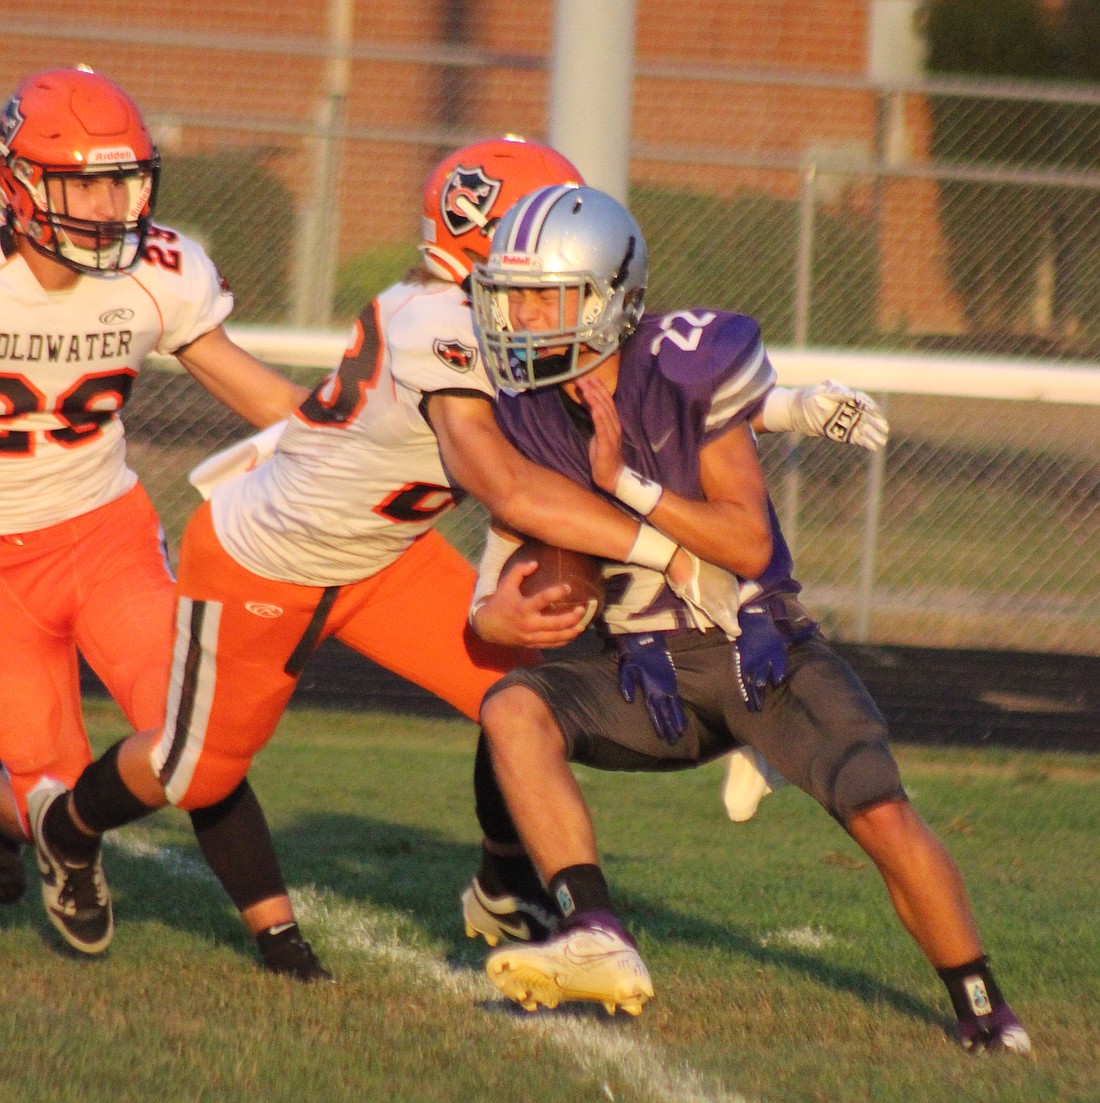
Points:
x=973 y=991
x=61 y=831
x=236 y=843
x=580 y=888
x=101 y=798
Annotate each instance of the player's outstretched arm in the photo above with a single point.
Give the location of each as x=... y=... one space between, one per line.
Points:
x=830 y=409
x=246 y=385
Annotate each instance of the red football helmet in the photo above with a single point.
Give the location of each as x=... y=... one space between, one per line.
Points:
x=65 y=130
x=468 y=192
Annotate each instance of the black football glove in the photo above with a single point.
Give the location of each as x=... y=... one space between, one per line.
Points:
x=759 y=655
x=645 y=663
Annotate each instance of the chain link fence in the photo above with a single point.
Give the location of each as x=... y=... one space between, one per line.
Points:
x=942 y=219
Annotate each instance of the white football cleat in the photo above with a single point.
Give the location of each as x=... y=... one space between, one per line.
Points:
x=591 y=960
x=1000 y=1032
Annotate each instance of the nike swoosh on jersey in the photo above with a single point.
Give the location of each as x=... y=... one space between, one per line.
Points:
x=659 y=444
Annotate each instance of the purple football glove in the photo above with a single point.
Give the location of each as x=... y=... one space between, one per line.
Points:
x=759 y=655
x=645 y=663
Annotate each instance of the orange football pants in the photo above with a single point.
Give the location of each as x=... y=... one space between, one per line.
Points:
x=236 y=631
x=100 y=583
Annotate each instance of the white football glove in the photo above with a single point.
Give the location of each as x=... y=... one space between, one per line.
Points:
x=713 y=592
x=749 y=778
x=236 y=459
x=829 y=410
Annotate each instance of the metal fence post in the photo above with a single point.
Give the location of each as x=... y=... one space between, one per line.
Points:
x=803 y=284
x=318 y=223
x=872 y=518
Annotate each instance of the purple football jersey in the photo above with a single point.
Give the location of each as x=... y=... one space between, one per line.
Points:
x=685 y=378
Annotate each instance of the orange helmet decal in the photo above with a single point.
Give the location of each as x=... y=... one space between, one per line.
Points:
x=468 y=192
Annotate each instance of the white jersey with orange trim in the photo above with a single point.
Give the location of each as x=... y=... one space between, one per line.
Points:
x=67 y=362
x=357 y=475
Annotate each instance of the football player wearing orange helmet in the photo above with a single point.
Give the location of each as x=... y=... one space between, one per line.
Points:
x=468 y=192
x=89 y=287
x=333 y=534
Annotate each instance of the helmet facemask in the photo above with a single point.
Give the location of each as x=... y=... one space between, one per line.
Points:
x=583 y=249
x=86 y=245
x=521 y=360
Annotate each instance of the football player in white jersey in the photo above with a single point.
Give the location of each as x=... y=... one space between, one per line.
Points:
x=333 y=536
x=90 y=287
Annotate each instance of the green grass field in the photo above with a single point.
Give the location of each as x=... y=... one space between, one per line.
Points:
x=781 y=973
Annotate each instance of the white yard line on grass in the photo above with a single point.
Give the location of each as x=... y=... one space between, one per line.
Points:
x=635 y=1064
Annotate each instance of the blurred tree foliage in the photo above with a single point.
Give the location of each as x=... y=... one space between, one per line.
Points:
x=243 y=215
x=1026 y=260
x=739 y=254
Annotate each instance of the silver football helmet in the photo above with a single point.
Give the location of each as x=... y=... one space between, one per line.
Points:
x=580 y=244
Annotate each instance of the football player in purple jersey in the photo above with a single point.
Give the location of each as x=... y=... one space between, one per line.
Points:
x=655 y=410
x=336 y=526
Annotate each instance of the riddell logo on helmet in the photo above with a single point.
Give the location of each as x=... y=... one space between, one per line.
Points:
x=519 y=260
x=113 y=156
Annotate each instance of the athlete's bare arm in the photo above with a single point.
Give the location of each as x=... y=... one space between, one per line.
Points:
x=248 y=387
x=528 y=498
x=730 y=528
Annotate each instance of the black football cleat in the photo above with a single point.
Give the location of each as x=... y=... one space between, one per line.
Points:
x=293 y=957
x=78 y=902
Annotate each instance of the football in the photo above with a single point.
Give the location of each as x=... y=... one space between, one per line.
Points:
x=557 y=565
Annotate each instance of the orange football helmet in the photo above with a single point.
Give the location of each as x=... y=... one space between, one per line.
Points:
x=63 y=130
x=468 y=192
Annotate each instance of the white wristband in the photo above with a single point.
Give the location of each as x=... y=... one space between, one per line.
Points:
x=776 y=413
x=651 y=549
x=496 y=553
x=637 y=492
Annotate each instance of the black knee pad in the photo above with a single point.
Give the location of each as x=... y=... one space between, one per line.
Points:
x=866 y=776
